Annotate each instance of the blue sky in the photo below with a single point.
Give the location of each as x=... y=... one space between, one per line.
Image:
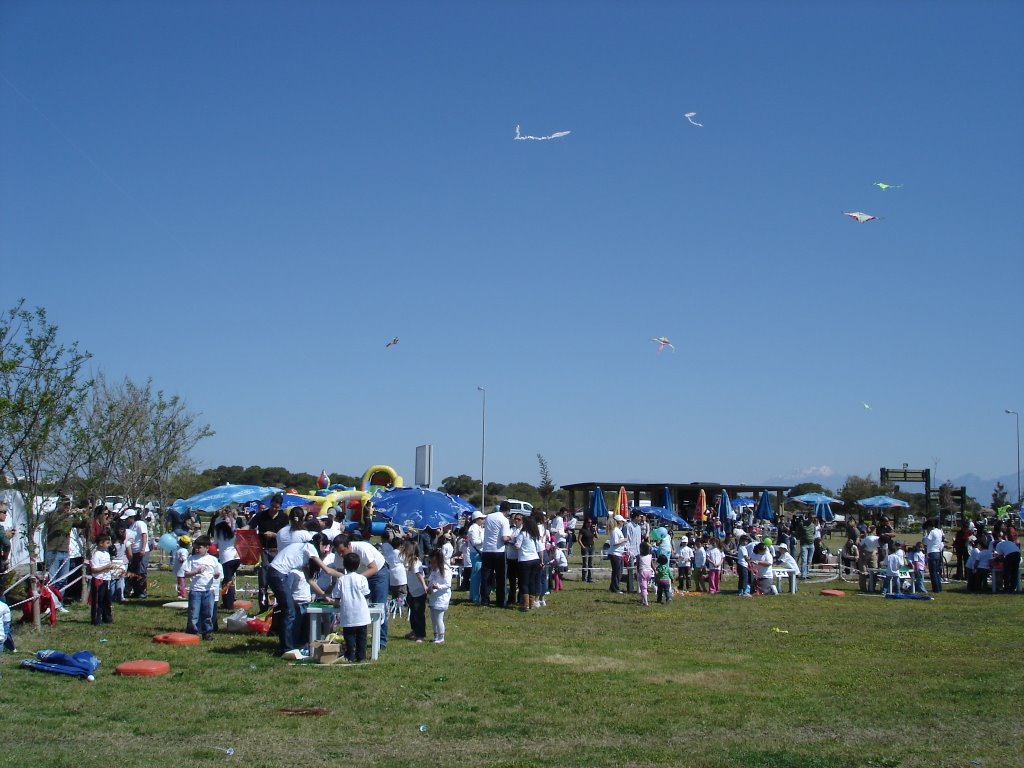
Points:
x=246 y=201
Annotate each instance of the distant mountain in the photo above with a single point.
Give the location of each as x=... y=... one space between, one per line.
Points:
x=981 y=489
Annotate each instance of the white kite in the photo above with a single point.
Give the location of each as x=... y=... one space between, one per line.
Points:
x=883 y=186
x=860 y=217
x=689 y=116
x=662 y=342
x=556 y=135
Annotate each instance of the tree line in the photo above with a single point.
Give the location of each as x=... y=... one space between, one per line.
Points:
x=63 y=432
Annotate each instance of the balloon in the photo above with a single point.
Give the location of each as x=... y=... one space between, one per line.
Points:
x=168 y=542
x=324 y=480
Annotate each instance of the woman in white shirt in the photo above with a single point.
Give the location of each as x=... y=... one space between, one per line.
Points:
x=527 y=544
x=616 y=550
x=223 y=531
x=289 y=558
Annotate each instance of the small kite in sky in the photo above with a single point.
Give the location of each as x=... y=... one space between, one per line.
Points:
x=391 y=343
x=689 y=116
x=556 y=135
x=662 y=342
x=883 y=186
x=860 y=217
x=866 y=406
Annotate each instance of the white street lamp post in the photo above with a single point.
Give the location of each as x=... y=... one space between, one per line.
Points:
x=483 y=450
x=1016 y=417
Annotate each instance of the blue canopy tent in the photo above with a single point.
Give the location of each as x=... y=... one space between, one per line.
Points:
x=665 y=514
x=222 y=495
x=764 y=509
x=741 y=502
x=598 y=508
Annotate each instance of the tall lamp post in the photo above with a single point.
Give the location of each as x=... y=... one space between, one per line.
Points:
x=483 y=450
x=1016 y=417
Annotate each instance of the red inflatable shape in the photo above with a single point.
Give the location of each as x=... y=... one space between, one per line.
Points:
x=176 y=638
x=833 y=593
x=143 y=668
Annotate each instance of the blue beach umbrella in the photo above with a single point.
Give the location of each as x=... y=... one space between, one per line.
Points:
x=764 y=509
x=823 y=512
x=665 y=514
x=668 y=500
x=222 y=495
x=598 y=507
x=81 y=664
x=417 y=508
x=814 y=498
x=740 y=502
x=724 y=511
x=881 y=502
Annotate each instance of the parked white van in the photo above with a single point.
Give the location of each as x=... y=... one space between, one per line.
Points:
x=522 y=507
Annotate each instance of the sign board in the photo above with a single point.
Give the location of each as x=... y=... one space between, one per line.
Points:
x=904 y=475
x=424 y=465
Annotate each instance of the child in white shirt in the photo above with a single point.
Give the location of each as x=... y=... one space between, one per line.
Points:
x=700 y=570
x=99 y=584
x=893 y=564
x=439 y=593
x=917 y=562
x=684 y=563
x=178 y=559
x=351 y=592
x=6 y=638
x=205 y=574
x=561 y=565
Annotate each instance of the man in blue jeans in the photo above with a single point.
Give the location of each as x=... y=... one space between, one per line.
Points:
x=935 y=543
x=804 y=534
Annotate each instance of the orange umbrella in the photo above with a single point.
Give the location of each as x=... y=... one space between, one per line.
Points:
x=622 y=507
x=702 y=505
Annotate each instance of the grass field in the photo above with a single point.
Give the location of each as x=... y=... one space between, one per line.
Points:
x=592 y=680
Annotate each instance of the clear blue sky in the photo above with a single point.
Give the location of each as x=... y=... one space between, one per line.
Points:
x=246 y=200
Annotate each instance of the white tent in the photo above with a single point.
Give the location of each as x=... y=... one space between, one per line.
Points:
x=17 y=524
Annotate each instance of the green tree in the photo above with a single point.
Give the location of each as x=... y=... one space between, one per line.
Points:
x=802 y=488
x=998 y=496
x=41 y=390
x=463 y=485
x=546 y=488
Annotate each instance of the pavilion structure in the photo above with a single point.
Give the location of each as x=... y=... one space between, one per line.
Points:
x=683 y=495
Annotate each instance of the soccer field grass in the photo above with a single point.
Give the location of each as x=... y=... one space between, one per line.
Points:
x=593 y=679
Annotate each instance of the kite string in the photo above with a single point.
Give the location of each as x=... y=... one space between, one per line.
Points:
x=96 y=166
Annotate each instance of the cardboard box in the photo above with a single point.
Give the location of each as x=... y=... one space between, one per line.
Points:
x=325 y=653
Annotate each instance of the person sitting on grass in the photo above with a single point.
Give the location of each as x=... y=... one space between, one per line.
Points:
x=204 y=573
x=350 y=592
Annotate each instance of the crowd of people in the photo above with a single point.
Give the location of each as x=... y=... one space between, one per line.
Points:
x=509 y=558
